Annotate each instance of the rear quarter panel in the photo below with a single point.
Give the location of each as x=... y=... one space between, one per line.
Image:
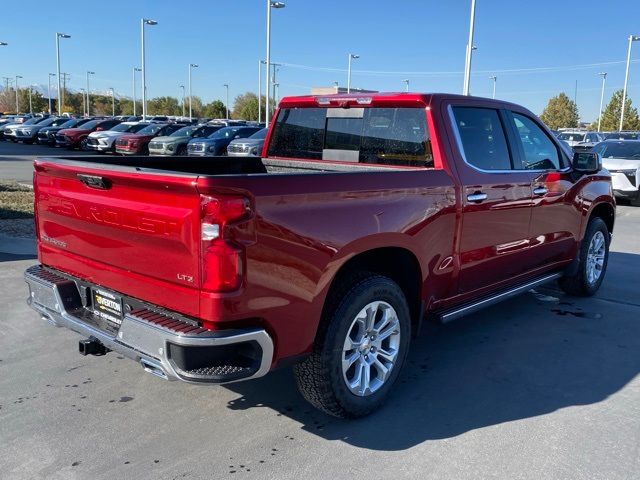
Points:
x=307 y=226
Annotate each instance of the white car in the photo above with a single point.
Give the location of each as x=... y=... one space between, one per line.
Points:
x=105 y=140
x=622 y=159
x=581 y=141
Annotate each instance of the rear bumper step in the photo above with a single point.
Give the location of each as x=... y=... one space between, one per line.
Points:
x=163 y=345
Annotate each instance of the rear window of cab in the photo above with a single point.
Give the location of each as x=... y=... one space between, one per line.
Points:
x=373 y=135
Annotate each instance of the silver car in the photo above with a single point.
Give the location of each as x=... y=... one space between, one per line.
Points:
x=9 y=131
x=176 y=143
x=248 y=147
x=622 y=159
x=29 y=133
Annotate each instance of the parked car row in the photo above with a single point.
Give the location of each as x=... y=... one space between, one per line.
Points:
x=161 y=136
x=622 y=159
x=620 y=152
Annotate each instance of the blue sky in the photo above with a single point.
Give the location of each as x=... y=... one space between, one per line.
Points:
x=423 y=40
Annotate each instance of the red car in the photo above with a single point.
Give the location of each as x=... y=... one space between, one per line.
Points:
x=77 y=137
x=138 y=143
x=365 y=215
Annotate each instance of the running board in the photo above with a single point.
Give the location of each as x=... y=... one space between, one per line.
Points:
x=446 y=316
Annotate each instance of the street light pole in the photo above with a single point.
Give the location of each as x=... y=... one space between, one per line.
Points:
x=88 y=94
x=406 y=84
x=604 y=79
x=351 y=57
x=191 y=66
x=273 y=80
x=17 y=101
x=270 y=4
x=494 y=78
x=60 y=93
x=135 y=69
x=49 y=92
x=30 y=102
x=183 y=105
x=260 y=62
x=467 y=65
x=84 y=101
x=632 y=38
x=226 y=85
x=143 y=22
x=113 y=102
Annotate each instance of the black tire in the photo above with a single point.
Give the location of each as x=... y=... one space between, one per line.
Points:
x=578 y=283
x=83 y=144
x=182 y=151
x=320 y=376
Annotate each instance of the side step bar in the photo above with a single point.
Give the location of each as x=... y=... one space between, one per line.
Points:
x=446 y=316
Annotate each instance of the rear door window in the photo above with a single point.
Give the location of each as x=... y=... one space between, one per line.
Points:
x=298 y=133
x=482 y=136
x=396 y=136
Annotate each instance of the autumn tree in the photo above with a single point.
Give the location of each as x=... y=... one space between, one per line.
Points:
x=611 y=114
x=560 y=112
x=8 y=101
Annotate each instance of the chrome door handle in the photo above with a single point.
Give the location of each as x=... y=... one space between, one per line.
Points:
x=477 y=197
x=539 y=191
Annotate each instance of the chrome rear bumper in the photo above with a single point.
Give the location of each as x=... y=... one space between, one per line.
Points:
x=160 y=343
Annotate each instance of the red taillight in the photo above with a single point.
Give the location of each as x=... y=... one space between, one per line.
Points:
x=222 y=259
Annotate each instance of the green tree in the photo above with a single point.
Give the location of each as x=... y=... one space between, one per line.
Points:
x=74 y=103
x=196 y=106
x=38 y=102
x=126 y=107
x=215 y=109
x=560 y=112
x=164 y=106
x=245 y=106
x=611 y=114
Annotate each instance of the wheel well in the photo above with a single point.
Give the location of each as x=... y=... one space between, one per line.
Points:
x=606 y=213
x=398 y=264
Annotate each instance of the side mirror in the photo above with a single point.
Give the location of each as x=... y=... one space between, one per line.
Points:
x=587 y=162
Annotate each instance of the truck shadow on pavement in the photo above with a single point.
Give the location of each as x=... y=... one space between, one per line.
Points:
x=530 y=356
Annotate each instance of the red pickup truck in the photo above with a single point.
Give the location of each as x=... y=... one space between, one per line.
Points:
x=364 y=215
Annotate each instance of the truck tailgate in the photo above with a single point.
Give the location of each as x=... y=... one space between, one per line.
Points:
x=133 y=231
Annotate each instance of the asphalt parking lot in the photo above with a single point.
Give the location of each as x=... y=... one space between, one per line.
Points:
x=541 y=386
x=16 y=158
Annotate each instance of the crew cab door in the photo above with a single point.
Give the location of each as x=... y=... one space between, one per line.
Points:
x=496 y=199
x=555 y=217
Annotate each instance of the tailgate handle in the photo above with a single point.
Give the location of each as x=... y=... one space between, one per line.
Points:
x=94 y=181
